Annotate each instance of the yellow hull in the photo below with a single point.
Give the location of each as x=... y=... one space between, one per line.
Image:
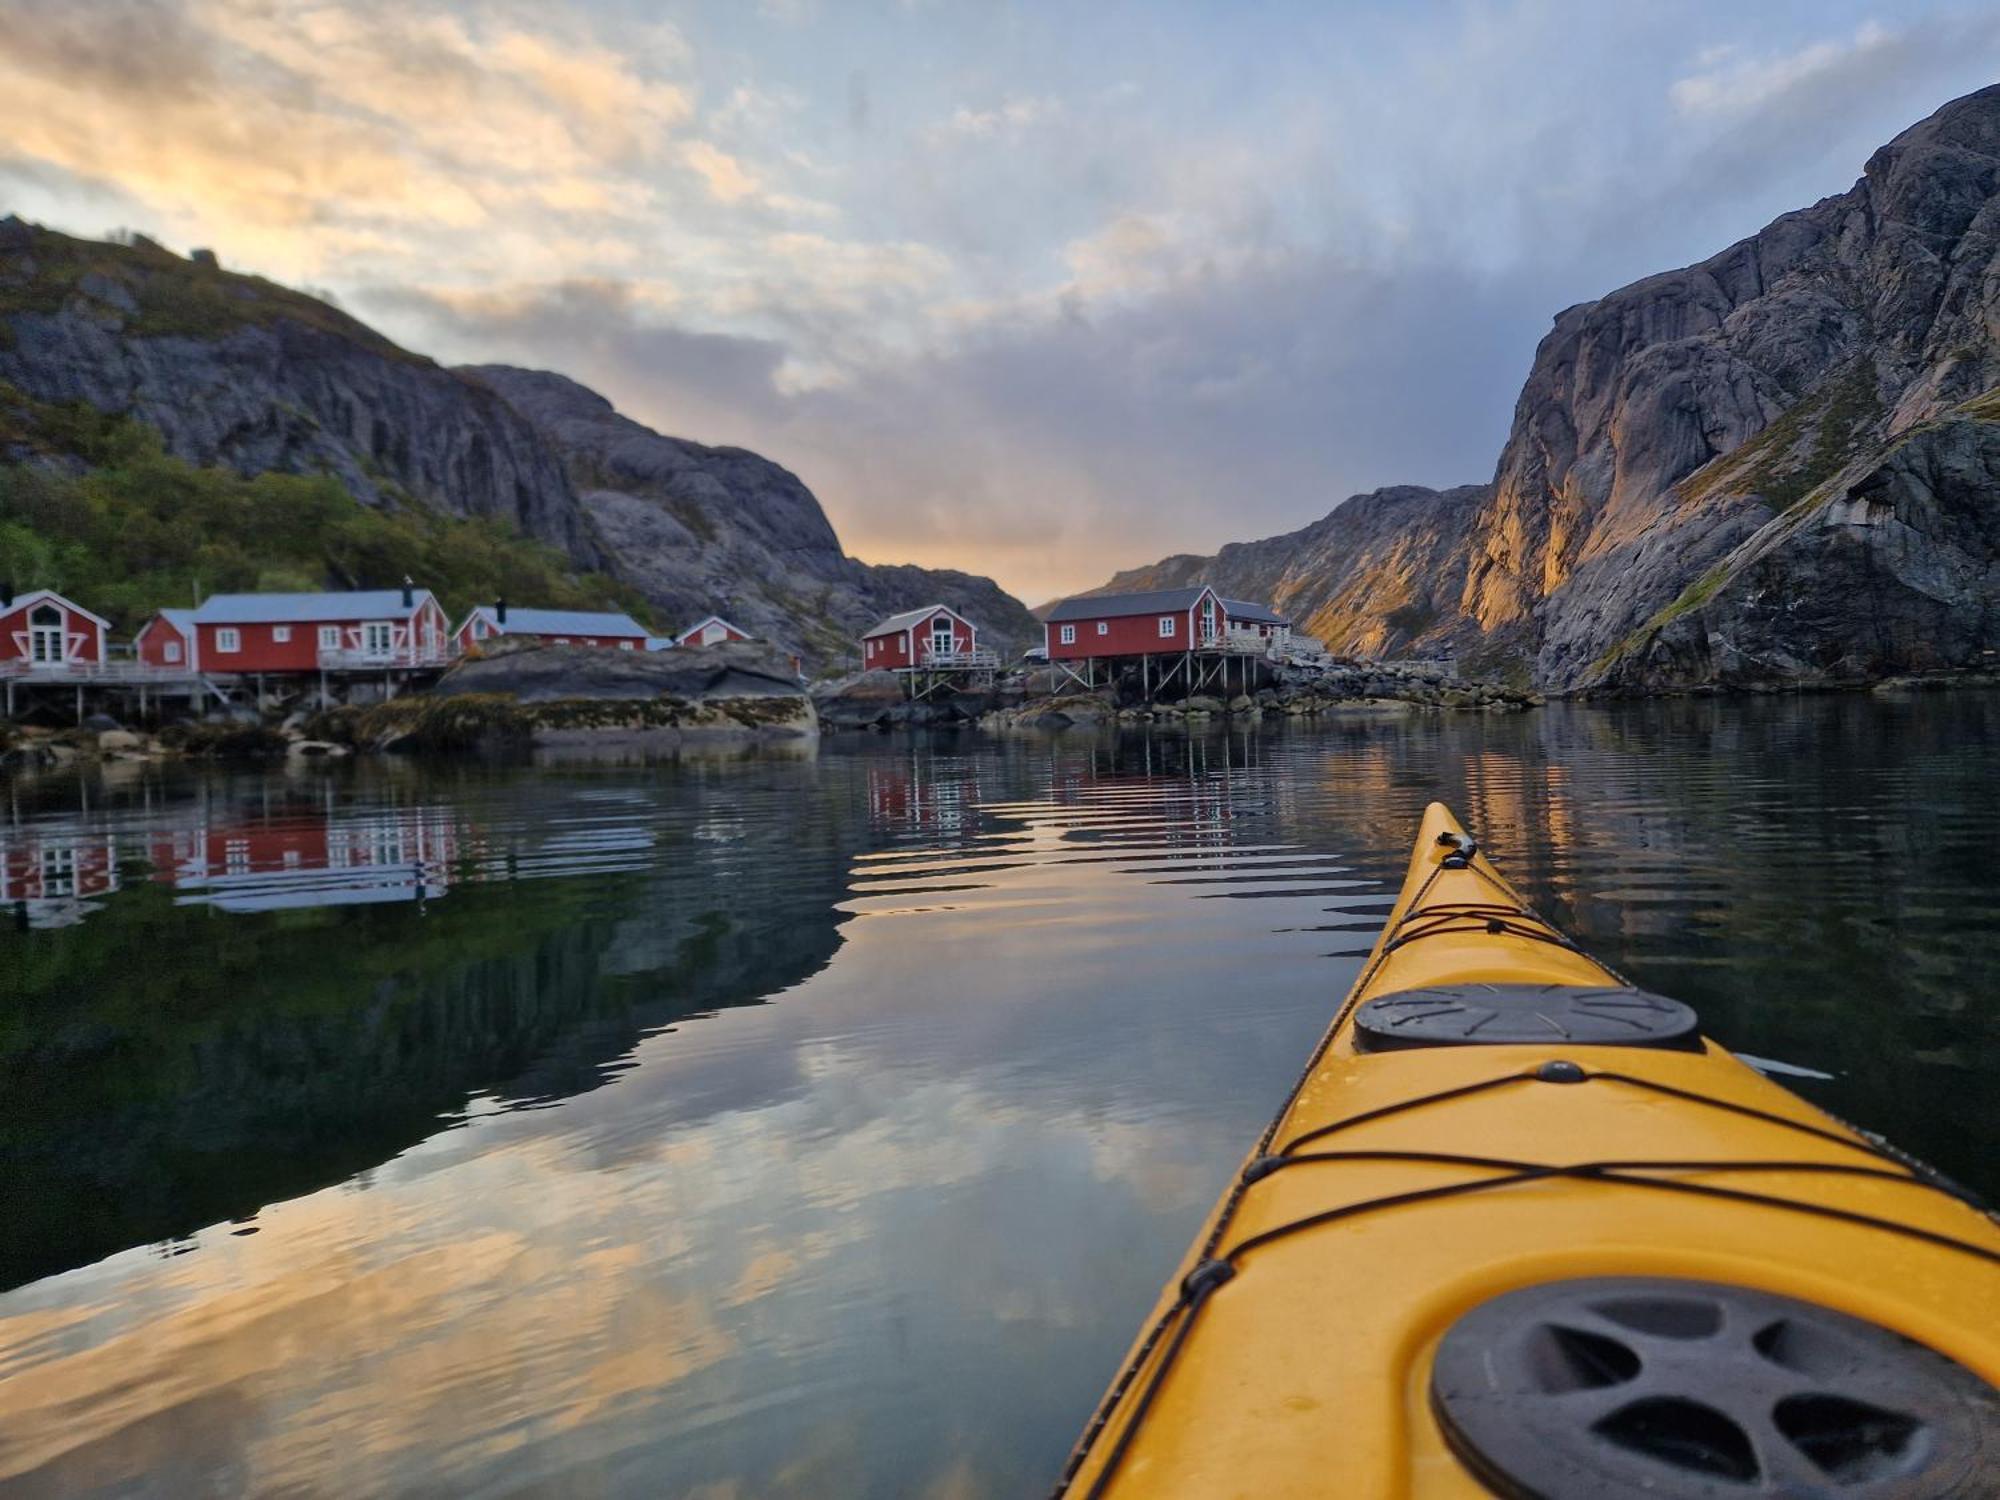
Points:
x=1305 y=1367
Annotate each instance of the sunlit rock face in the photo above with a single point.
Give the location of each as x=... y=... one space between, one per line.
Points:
x=1689 y=455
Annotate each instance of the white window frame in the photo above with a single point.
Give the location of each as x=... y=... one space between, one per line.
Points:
x=1168 y=629
x=870 y=652
x=281 y=633
x=624 y=645
x=329 y=638
x=1069 y=635
x=228 y=638
x=172 y=652
x=1104 y=627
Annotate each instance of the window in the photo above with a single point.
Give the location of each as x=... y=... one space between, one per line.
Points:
x=377 y=638
x=1166 y=626
x=45 y=635
x=173 y=651
x=868 y=649
x=1069 y=635
x=624 y=645
x=281 y=633
x=228 y=639
x=479 y=630
x=329 y=638
x=562 y=640
x=1104 y=627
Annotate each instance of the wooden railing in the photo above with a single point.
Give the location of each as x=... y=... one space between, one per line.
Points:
x=134 y=673
x=398 y=658
x=979 y=657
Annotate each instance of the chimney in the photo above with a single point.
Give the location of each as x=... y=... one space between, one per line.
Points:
x=409 y=592
x=500 y=609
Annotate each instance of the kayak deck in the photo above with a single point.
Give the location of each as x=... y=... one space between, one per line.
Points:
x=1403 y=1186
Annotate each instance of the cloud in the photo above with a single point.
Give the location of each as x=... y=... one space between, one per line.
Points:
x=1007 y=120
x=1730 y=83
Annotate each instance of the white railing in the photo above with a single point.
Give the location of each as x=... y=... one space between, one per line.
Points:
x=978 y=657
x=137 y=673
x=404 y=658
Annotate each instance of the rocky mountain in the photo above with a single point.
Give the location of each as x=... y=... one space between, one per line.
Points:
x=698 y=529
x=1367 y=579
x=237 y=372
x=1775 y=466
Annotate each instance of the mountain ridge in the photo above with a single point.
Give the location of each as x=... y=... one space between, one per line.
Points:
x=1686 y=453
x=238 y=373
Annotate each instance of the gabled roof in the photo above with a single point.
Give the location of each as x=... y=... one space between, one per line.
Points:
x=1258 y=614
x=557 y=621
x=711 y=620
x=22 y=601
x=1111 y=606
x=910 y=617
x=260 y=609
x=181 y=619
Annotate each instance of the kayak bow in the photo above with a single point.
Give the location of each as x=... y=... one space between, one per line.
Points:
x=1521 y=1230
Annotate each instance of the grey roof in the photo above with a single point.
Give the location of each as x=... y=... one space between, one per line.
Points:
x=562 y=621
x=908 y=618
x=1261 y=614
x=258 y=609
x=181 y=619
x=1108 y=606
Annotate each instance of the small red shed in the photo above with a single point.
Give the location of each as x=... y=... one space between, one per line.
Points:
x=936 y=635
x=1145 y=624
x=43 y=631
x=168 y=640
x=708 y=630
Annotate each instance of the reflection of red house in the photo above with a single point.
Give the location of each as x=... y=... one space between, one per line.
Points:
x=42 y=630
x=935 y=634
x=47 y=874
x=168 y=640
x=561 y=627
x=304 y=632
x=395 y=854
x=1163 y=620
x=911 y=795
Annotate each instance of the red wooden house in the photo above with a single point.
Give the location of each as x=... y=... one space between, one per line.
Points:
x=559 y=627
x=1148 y=624
x=280 y=633
x=708 y=630
x=168 y=640
x=936 y=635
x=43 y=631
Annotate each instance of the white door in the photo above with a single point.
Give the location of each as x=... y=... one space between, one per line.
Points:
x=376 y=639
x=46 y=643
x=940 y=638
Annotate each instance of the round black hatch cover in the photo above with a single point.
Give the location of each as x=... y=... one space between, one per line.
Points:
x=1486 y=1014
x=1682 y=1389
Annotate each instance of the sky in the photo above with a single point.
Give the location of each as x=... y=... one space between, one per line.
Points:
x=1038 y=290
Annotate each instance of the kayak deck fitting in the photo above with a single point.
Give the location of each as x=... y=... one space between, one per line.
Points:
x=1521 y=1230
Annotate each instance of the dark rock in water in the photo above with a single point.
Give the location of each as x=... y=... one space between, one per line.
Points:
x=693 y=674
x=880 y=700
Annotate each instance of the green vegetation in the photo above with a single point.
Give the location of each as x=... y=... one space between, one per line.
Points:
x=1840 y=411
x=141 y=529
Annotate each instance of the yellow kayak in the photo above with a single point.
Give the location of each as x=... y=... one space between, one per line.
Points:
x=1522 y=1230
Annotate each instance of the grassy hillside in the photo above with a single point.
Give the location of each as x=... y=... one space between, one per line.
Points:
x=90 y=504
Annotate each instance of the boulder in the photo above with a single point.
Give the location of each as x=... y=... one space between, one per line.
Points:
x=113 y=740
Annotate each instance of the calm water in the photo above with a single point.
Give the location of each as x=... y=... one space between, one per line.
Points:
x=823 y=1125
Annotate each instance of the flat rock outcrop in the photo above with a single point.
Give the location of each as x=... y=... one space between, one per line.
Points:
x=692 y=674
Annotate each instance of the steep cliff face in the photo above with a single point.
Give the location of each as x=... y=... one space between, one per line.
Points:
x=699 y=529
x=235 y=371
x=1668 y=424
x=1734 y=431
x=1370 y=577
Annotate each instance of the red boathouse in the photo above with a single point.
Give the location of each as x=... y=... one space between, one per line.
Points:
x=167 y=640
x=709 y=630
x=935 y=636
x=278 y=633
x=41 y=631
x=1148 y=624
x=556 y=627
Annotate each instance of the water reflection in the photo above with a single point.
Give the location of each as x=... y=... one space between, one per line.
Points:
x=923 y=1061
